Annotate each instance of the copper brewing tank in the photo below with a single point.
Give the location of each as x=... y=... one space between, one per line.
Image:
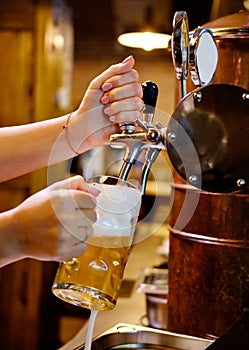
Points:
x=209 y=258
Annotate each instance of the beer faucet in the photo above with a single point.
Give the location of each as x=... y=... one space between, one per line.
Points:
x=150 y=140
x=154 y=137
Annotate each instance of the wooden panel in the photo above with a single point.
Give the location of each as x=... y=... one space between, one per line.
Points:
x=19 y=303
x=33 y=74
x=16 y=14
x=13 y=192
x=16 y=77
x=54 y=61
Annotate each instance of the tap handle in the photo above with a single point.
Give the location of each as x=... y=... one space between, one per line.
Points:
x=150 y=93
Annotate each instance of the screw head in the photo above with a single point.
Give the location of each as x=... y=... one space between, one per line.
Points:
x=198 y=96
x=193 y=179
x=171 y=136
x=241 y=182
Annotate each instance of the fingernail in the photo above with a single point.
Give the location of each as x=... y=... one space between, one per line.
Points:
x=95 y=192
x=105 y=99
x=127 y=59
x=107 y=110
x=106 y=86
x=113 y=118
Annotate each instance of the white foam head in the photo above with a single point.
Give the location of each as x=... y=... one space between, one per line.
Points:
x=117 y=209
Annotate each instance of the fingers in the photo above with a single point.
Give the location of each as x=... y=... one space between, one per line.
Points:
x=122 y=86
x=113 y=70
x=70 y=183
x=128 y=109
x=120 y=92
x=76 y=182
x=74 y=210
x=59 y=218
x=74 y=206
x=71 y=246
x=119 y=83
x=78 y=217
x=82 y=233
x=120 y=79
x=73 y=252
x=122 y=96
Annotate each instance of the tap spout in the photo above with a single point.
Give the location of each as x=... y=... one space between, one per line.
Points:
x=133 y=145
x=151 y=156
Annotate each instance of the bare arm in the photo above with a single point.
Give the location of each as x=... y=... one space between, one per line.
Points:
x=116 y=92
x=48 y=225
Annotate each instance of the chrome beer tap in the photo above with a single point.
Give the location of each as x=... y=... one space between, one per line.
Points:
x=149 y=140
x=200 y=136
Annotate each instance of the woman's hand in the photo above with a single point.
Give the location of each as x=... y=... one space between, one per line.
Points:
x=52 y=224
x=114 y=96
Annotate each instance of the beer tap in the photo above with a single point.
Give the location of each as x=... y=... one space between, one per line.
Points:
x=148 y=140
x=191 y=153
x=150 y=93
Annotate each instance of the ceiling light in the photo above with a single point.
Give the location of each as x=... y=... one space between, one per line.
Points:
x=145 y=40
x=150 y=28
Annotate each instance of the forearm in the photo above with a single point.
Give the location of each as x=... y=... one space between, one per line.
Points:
x=29 y=147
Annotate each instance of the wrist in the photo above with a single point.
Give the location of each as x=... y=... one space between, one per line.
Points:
x=77 y=129
x=69 y=135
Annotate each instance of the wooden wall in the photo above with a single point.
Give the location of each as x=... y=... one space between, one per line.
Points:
x=36 y=78
x=35 y=75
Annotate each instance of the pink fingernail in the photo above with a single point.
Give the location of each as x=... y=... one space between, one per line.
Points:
x=113 y=118
x=107 y=110
x=127 y=59
x=105 y=99
x=95 y=192
x=107 y=86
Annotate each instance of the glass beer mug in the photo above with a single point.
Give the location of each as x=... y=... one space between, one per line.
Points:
x=93 y=279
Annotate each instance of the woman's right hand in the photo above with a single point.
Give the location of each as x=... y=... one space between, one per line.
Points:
x=113 y=97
